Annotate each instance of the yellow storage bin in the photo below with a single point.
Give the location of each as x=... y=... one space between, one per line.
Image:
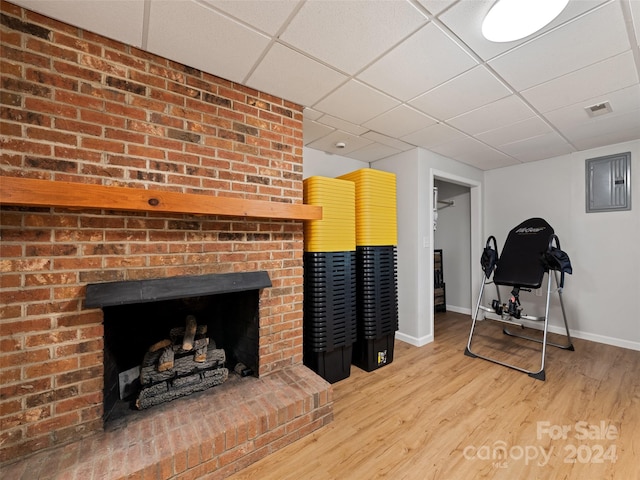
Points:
x=336 y=232
x=376 y=198
x=370 y=175
x=376 y=211
x=334 y=209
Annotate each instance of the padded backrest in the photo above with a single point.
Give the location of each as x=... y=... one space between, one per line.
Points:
x=520 y=263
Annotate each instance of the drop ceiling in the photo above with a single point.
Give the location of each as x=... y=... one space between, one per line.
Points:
x=385 y=76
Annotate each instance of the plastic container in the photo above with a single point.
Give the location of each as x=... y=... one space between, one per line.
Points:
x=376 y=207
x=335 y=232
x=329 y=306
x=376 y=304
x=372 y=354
x=333 y=365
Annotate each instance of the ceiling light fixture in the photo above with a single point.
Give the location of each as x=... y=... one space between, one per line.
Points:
x=510 y=20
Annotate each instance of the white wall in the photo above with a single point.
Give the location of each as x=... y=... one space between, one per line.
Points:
x=415 y=170
x=601 y=297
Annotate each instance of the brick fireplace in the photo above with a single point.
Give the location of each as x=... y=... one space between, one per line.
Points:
x=80 y=108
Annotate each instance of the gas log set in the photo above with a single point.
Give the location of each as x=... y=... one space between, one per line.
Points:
x=186 y=362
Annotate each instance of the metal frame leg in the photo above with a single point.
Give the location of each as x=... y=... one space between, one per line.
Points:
x=539 y=374
x=467 y=350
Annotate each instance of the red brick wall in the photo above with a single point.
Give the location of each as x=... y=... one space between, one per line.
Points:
x=78 y=107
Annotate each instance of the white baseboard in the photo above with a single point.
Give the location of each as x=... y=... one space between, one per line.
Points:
x=616 y=342
x=463 y=310
x=592 y=337
x=420 y=341
x=415 y=341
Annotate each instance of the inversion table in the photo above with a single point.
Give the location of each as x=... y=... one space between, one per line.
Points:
x=531 y=250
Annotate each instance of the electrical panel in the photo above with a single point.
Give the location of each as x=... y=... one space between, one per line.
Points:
x=608 y=183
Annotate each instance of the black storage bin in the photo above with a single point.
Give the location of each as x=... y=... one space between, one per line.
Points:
x=333 y=365
x=372 y=354
x=376 y=305
x=329 y=325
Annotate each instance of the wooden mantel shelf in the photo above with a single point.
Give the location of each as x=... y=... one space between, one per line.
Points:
x=29 y=192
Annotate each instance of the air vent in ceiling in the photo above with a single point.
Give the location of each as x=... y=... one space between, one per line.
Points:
x=598 y=109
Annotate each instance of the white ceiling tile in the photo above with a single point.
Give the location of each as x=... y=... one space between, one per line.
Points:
x=200 y=37
x=389 y=141
x=587 y=132
x=291 y=75
x=433 y=135
x=340 y=124
x=465 y=19
x=474 y=153
x=373 y=152
x=436 y=6
x=356 y=103
x=494 y=115
x=312 y=131
x=623 y=101
x=578 y=44
x=468 y=91
x=539 y=147
x=600 y=78
x=426 y=59
x=311 y=114
x=399 y=121
x=122 y=21
x=531 y=127
x=328 y=143
x=350 y=34
x=635 y=16
x=266 y=15
x=606 y=131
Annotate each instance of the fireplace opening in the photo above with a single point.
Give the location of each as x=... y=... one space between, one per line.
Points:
x=143 y=319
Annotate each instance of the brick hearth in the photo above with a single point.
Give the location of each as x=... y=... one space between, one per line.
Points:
x=77 y=107
x=208 y=435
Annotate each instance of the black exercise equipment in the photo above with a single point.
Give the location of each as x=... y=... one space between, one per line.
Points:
x=531 y=250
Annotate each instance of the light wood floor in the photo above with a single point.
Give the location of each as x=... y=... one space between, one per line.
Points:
x=434 y=413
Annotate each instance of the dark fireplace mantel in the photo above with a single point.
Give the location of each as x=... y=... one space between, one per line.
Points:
x=142 y=291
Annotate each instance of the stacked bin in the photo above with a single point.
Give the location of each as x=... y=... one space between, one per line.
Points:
x=330 y=278
x=376 y=267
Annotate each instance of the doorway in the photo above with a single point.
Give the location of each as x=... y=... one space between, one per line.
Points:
x=452 y=238
x=456 y=216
